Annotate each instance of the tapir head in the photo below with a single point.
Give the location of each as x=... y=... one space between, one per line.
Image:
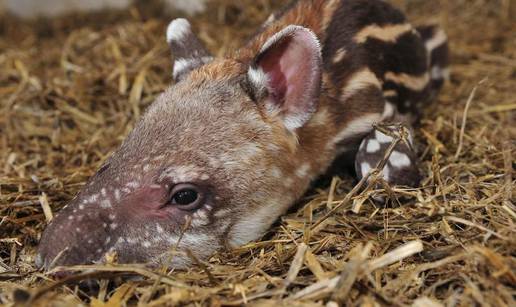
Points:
x=211 y=164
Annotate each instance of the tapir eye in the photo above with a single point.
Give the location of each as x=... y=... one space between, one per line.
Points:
x=186 y=196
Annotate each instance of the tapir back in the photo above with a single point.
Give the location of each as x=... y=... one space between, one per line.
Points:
x=376 y=67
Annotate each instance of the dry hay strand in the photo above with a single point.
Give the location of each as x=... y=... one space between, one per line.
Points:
x=73 y=87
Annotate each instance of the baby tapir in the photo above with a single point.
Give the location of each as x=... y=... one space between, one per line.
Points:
x=228 y=148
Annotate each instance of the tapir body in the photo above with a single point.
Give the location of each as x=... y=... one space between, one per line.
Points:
x=228 y=148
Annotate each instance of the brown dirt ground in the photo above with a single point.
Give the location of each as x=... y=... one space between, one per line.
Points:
x=72 y=88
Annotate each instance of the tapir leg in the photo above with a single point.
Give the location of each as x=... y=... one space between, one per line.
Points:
x=401 y=168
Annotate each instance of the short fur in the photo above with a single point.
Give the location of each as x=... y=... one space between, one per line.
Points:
x=214 y=128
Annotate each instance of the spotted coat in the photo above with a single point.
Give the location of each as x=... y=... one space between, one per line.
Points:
x=250 y=131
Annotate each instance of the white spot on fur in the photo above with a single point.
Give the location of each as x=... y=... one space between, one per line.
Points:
x=81 y=207
x=103 y=192
x=399 y=160
x=276 y=172
x=222 y=213
x=177 y=30
x=437 y=40
x=159 y=229
x=386 y=33
x=390 y=93
x=365 y=168
x=388 y=111
x=215 y=163
x=372 y=146
x=288 y=182
x=172 y=240
x=201 y=214
x=438 y=73
x=382 y=138
x=182 y=64
x=302 y=171
x=320 y=118
x=294 y=121
x=205 y=177
x=132 y=184
x=113 y=226
x=339 y=55
x=200 y=218
x=117 y=195
x=93 y=198
x=358 y=126
x=248 y=151
x=158 y=158
x=183 y=173
x=415 y=83
x=257 y=77
x=119 y=242
x=105 y=203
x=386 y=173
x=269 y=20
x=360 y=80
x=362 y=144
x=112 y=216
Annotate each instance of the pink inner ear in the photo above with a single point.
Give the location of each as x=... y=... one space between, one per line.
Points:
x=293 y=67
x=273 y=65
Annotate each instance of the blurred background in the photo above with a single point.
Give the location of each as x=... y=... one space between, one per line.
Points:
x=53 y=8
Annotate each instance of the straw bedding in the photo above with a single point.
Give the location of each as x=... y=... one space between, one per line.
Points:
x=73 y=87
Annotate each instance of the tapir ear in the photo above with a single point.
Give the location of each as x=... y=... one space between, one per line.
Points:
x=188 y=51
x=289 y=67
